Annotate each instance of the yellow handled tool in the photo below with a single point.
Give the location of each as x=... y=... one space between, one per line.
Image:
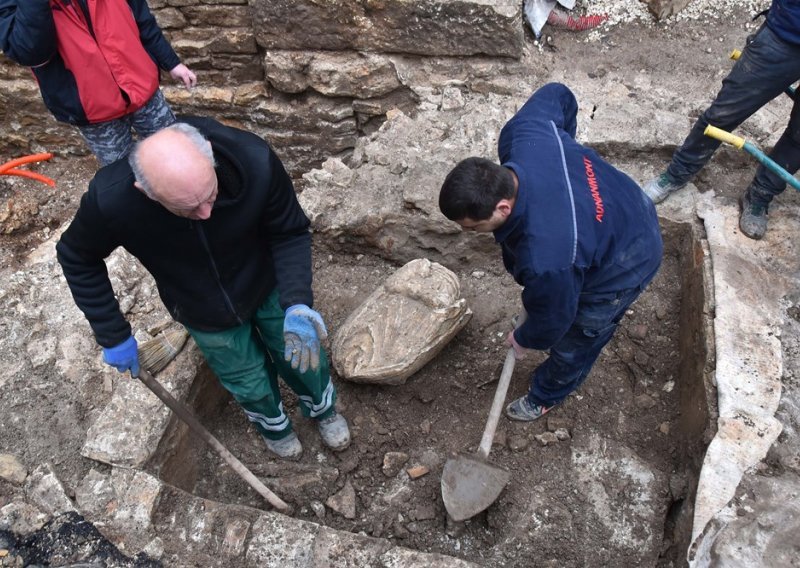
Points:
x=750 y=148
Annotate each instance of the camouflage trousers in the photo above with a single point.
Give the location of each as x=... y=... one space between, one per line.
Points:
x=113 y=140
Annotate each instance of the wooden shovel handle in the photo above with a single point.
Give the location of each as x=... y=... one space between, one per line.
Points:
x=186 y=415
x=499 y=397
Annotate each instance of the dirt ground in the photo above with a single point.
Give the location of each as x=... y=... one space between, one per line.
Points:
x=442 y=409
x=629 y=398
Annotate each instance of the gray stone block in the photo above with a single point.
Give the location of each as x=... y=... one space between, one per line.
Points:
x=428 y=27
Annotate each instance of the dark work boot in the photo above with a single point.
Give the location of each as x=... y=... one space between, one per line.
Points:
x=753 y=217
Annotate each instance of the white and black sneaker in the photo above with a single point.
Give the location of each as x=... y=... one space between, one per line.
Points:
x=660 y=187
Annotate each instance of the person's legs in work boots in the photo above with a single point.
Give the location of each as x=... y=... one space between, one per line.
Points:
x=314 y=388
x=239 y=359
x=768 y=66
x=572 y=357
x=766 y=184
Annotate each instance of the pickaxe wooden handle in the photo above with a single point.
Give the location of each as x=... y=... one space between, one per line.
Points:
x=186 y=415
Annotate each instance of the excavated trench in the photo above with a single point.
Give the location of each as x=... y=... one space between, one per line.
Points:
x=619 y=490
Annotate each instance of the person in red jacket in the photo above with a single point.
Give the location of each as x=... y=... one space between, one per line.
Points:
x=97 y=64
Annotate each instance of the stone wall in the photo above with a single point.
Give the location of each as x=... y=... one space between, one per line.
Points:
x=309 y=76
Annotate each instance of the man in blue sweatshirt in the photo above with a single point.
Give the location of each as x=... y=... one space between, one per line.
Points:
x=769 y=64
x=579 y=235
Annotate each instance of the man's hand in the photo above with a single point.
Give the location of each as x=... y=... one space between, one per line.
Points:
x=124 y=356
x=182 y=73
x=519 y=351
x=303 y=329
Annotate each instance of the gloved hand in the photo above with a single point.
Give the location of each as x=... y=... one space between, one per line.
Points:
x=303 y=329
x=124 y=356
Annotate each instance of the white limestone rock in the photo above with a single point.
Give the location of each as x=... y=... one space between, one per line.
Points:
x=401 y=326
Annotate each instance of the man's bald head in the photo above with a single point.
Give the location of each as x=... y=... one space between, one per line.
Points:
x=175 y=166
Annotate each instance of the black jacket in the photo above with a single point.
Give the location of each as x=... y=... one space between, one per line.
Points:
x=211 y=274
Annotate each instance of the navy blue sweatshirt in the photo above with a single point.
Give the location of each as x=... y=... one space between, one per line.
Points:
x=211 y=274
x=580 y=229
x=784 y=19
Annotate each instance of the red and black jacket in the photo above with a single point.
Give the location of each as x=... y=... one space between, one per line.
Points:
x=94 y=60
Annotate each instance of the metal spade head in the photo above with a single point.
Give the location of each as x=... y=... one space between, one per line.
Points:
x=470 y=485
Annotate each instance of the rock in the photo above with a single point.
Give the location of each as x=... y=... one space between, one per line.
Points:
x=393 y=462
x=424 y=512
x=452 y=99
x=128 y=429
x=664 y=8
x=344 y=502
x=95 y=494
x=664 y=428
x=403 y=221
x=348 y=74
x=399 y=531
x=668 y=386
x=638 y=331
x=12 y=470
x=562 y=434
x=760 y=531
x=401 y=326
x=417 y=471
x=318 y=508
x=641 y=358
x=348 y=464
x=425 y=426
x=414 y=527
x=47 y=492
x=547 y=438
x=21 y=518
x=661 y=312
x=501 y=439
x=234 y=542
x=645 y=401
x=425 y=27
x=518 y=443
x=311 y=483
x=431 y=458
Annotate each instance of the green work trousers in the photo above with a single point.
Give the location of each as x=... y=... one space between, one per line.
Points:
x=248 y=359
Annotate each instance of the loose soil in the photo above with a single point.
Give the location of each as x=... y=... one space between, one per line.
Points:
x=543 y=518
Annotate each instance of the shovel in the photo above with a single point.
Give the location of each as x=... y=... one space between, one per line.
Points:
x=470 y=483
x=184 y=414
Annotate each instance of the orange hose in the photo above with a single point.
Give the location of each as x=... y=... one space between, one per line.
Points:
x=25 y=160
x=31 y=175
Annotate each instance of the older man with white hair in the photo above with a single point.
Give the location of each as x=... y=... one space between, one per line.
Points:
x=211 y=213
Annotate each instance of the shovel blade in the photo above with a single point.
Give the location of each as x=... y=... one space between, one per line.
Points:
x=470 y=485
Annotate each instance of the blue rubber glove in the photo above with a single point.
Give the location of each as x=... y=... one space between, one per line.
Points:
x=303 y=329
x=124 y=356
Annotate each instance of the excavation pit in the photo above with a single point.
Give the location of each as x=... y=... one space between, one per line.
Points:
x=608 y=477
